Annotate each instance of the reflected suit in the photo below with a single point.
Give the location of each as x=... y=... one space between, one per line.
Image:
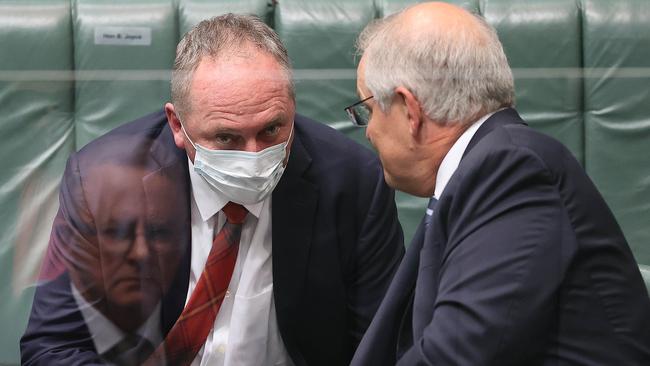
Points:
x=336 y=241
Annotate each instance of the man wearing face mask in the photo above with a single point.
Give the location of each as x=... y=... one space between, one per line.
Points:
x=289 y=232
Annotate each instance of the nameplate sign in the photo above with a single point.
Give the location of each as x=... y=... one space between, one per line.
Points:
x=123 y=36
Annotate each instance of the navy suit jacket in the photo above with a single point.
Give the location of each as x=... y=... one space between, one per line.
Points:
x=336 y=242
x=523 y=264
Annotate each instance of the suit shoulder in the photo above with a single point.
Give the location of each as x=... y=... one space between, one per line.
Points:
x=323 y=140
x=127 y=140
x=525 y=136
x=141 y=128
x=522 y=146
x=550 y=151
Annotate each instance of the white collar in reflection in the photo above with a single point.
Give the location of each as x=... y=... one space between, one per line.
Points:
x=105 y=334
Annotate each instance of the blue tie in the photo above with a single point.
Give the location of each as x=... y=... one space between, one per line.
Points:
x=406 y=328
x=426 y=297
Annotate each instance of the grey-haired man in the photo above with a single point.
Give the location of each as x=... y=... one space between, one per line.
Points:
x=518 y=260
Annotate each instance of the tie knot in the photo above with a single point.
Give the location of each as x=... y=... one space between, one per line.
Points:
x=431 y=206
x=235 y=213
x=432 y=203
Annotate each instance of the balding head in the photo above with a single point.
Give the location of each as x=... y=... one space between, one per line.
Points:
x=449 y=58
x=435 y=16
x=219 y=38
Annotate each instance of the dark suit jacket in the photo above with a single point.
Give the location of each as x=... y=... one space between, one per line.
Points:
x=523 y=264
x=336 y=242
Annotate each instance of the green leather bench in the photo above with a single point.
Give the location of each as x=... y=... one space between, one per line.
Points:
x=37 y=129
x=70 y=70
x=120 y=78
x=616 y=43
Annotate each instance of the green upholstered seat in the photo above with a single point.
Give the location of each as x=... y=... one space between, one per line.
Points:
x=542 y=43
x=616 y=41
x=320 y=36
x=191 y=12
x=123 y=52
x=388 y=7
x=36 y=125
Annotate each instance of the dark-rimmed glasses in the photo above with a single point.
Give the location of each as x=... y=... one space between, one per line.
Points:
x=359 y=112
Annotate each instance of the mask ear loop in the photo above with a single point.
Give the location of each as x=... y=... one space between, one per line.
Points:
x=293 y=126
x=287 y=153
x=186 y=135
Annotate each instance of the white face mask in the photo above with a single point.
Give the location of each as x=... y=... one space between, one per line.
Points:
x=242 y=176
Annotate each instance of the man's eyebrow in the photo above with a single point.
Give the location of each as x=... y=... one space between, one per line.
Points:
x=227 y=130
x=277 y=120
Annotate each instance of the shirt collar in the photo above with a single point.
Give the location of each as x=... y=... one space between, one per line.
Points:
x=209 y=201
x=452 y=159
x=105 y=333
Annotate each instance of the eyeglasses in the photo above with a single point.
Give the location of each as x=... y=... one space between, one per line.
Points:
x=359 y=112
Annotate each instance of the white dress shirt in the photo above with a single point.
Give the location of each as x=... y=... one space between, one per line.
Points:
x=245 y=331
x=452 y=159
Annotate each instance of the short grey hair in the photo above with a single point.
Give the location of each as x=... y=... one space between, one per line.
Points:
x=456 y=77
x=217 y=36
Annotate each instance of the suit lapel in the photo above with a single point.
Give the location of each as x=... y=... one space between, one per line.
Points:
x=389 y=333
x=431 y=257
x=426 y=288
x=408 y=277
x=293 y=213
x=167 y=192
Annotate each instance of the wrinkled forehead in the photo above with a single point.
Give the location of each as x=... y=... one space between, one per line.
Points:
x=114 y=190
x=109 y=186
x=234 y=72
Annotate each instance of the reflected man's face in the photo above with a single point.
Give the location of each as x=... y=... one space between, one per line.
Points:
x=138 y=244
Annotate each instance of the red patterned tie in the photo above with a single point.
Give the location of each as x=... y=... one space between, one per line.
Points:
x=190 y=331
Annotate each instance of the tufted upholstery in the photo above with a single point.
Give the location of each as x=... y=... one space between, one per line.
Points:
x=616 y=44
x=582 y=70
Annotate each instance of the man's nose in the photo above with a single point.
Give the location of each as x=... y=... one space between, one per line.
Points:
x=252 y=146
x=139 y=250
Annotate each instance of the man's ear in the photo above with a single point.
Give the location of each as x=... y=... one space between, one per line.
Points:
x=175 y=124
x=413 y=110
